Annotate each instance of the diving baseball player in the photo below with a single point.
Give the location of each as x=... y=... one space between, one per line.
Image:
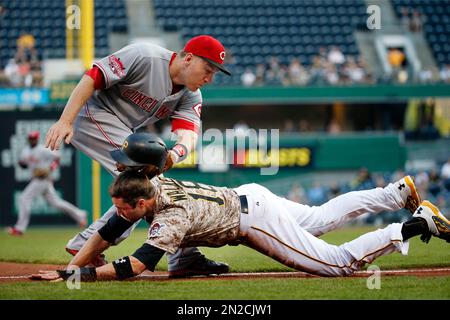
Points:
x=183 y=214
x=122 y=93
x=41 y=162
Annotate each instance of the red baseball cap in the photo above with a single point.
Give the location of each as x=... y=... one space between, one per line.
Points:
x=33 y=135
x=209 y=49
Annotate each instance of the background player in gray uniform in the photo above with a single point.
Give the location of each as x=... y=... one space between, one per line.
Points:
x=41 y=162
x=182 y=214
x=138 y=85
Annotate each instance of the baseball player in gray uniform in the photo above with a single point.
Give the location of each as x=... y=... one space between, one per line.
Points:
x=183 y=214
x=138 y=85
x=41 y=162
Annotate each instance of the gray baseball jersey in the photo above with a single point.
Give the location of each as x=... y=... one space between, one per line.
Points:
x=137 y=91
x=138 y=88
x=192 y=214
x=38 y=157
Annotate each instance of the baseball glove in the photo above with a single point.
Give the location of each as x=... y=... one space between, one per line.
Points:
x=40 y=173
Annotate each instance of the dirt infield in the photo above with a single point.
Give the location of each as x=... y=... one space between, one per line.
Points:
x=20 y=272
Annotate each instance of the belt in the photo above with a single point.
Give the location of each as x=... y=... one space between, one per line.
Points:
x=244 y=204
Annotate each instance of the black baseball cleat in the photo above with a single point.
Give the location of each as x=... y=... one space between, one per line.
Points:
x=200 y=267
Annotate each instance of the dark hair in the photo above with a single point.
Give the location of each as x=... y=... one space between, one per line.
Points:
x=132 y=185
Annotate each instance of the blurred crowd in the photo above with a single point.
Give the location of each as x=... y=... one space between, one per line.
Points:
x=331 y=127
x=332 y=67
x=412 y=19
x=24 y=69
x=328 y=67
x=432 y=185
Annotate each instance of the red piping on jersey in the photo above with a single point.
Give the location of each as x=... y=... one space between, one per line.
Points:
x=184 y=124
x=97 y=76
x=99 y=127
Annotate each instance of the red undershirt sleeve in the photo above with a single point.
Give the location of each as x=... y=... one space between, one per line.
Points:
x=96 y=74
x=184 y=124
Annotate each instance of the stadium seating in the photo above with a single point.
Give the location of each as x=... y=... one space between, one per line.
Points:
x=45 y=20
x=436 y=24
x=254 y=30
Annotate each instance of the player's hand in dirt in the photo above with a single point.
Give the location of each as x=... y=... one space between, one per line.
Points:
x=58 y=132
x=51 y=276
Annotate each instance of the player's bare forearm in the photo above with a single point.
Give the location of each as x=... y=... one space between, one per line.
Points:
x=63 y=128
x=93 y=247
x=82 y=92
x=107 y=272
x=103 y=273
x=187 y=138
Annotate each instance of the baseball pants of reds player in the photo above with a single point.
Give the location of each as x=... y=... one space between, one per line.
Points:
x=96 y=132
x=44 y=187
x=288 y=231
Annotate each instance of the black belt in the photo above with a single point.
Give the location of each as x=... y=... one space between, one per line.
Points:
x=244 y=204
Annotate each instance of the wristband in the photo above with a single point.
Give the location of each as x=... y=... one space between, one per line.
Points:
x=123 y=267
x=85 y=273
x=181 y=151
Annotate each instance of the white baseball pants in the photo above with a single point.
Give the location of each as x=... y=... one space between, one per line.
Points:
x=287 y=231
x=44 y=187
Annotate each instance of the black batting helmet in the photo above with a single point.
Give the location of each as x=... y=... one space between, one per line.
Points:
x=141 y=149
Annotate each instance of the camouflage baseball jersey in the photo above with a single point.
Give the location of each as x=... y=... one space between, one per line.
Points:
x=191 y=214
x=38 y=157
x=138 y=87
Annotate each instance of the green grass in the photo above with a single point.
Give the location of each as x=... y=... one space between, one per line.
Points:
x=46 y=245
x=252 y=289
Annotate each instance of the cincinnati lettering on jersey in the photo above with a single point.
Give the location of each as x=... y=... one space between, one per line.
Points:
x=141 y=100
x=163 y=112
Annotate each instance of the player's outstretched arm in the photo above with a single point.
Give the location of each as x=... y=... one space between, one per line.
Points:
x=146 y=257
x=112 y=271
x=92 y=248
x=63 y=128
x=120 y=269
